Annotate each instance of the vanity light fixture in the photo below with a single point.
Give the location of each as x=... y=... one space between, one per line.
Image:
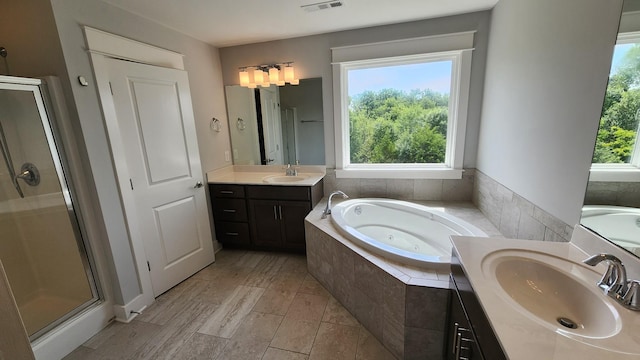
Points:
x=267 y=75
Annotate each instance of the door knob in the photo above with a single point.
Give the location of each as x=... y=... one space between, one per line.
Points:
x=198 y=185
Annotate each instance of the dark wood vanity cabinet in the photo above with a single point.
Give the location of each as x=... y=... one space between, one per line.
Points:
x=460 y=338
x=271 y=216
x=230 y=214
x=469 y=333
x=279 y=223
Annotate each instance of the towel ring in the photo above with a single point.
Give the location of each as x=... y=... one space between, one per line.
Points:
x=240 y=124
x=215 y=125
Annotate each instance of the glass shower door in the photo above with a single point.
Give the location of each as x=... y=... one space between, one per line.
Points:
x=41 y=244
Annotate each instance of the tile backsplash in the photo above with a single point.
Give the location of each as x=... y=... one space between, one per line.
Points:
x=515 y=216
x=613 y=193
x=404 y=189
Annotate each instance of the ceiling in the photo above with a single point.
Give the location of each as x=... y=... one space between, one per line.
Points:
x=234 y=22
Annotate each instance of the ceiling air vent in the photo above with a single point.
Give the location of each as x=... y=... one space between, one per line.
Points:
x=322 y=5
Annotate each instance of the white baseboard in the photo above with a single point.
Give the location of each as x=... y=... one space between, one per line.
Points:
x=64 y=339
x=126 y=313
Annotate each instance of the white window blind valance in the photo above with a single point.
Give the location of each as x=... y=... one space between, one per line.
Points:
x=404 y=47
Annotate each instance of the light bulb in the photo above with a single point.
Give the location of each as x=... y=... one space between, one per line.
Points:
x=258 y=76
x=274 y=74
x=244 y=77
x=265 y=81
x=288 y=74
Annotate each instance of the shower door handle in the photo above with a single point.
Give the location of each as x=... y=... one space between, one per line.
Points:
x=4 y=148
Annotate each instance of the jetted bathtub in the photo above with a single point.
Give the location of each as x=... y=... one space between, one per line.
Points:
x=400 y=230
x=617 y=223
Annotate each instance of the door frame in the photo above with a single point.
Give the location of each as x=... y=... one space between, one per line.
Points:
x=101 y=46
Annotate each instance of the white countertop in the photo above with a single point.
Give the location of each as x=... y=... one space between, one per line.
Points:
x=523 y=337
x=256 y=174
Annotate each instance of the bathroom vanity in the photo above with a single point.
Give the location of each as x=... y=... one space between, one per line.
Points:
x=468 y=330
x=524 y=299
x=261 y=208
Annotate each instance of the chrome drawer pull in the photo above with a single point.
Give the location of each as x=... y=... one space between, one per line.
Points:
x=232 y=234
x=229 y=210
x=226 y=192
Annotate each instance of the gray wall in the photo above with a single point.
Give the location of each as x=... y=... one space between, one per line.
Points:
x=312 y=57
x=307 y=99
x=45 y=38
x=547 y=68
x=32 y=41
x=202 y=63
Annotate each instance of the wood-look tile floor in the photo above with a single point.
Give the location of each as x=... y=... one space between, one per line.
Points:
x=247 y=305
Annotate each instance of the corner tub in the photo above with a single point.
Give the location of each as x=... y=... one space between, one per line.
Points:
x=400 y=230
x=619 y=224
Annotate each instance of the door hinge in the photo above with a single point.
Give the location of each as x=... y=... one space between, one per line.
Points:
x=148 y=266
x=111 y=88
x=131 y=183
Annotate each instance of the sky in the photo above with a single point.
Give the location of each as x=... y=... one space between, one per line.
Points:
x=433 y=75
x=618 y=55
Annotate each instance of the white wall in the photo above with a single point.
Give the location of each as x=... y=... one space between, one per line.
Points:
x=312 y=57
x=547 y=68
x=201 y=61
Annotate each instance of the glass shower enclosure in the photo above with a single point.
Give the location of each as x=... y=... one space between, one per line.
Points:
x=42 y=248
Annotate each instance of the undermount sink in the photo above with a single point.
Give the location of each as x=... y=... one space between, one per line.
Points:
x=555 y=292
x=284 y=178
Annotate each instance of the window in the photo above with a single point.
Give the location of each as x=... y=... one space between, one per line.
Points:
x=402 y=113
x=617 y=155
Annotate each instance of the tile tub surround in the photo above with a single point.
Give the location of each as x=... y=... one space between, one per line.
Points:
x=515 y=216
x=404 y=307
x=613 y=193
x=403 y=189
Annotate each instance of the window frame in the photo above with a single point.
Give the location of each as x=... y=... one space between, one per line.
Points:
x=454 y=47
x=629 y=172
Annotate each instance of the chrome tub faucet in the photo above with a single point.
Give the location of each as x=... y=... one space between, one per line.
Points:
x=327 y=209
x=614 y=281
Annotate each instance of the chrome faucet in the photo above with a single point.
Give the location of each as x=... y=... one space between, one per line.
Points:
x=327 y=209
x=291 y=171
x=614 y=282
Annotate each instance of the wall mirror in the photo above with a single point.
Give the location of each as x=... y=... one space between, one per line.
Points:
x=612 y=201
x=277 y=124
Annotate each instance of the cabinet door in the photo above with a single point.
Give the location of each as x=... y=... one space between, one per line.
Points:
x=265 y=216
x=293 y=214
x=460 y=342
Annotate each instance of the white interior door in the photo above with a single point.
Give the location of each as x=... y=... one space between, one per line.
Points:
x=156 y=124
x=272 y=130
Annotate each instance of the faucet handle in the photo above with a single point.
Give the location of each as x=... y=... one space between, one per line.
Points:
x=614 y=280
x=631 y=298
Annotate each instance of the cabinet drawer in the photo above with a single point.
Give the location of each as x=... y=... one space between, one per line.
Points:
x=229 y=209
x=279 y=192
x=233 y=233
x=226 y=191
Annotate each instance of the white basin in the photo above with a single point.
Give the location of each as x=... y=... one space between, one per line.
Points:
x=554 y=292
x=284 y=179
